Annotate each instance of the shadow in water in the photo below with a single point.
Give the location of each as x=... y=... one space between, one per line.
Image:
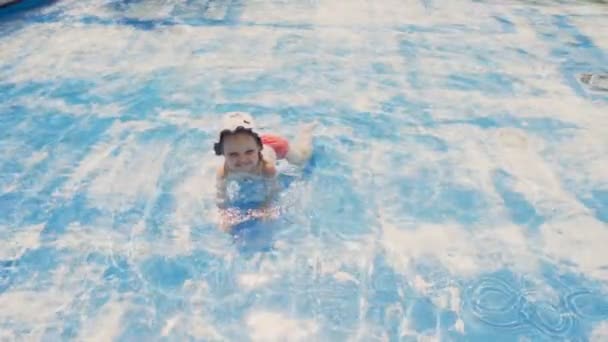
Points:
x=18 y=9
x=21 y=6
x=254 y=235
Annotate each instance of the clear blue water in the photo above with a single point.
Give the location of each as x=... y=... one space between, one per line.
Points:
x=458 y=189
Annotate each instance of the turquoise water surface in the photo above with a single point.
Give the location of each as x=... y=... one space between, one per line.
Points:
x=458 y=189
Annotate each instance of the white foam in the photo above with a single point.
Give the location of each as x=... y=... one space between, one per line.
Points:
x=100 y=158
x=110 y=50
x=100 y=237
x=277 y=326
x=103 y=240
x=199 y=328
x=33 y=309
x=266 y=12
x=35 y=158
x=17 y=242
x=195 y=195
x=594 y=29
x=345 y=277
x=463 y=252
x=253 y=280
x=8 y=335
x=184 y=119
x=586 y=153
x=169 y=325
x=600 y=332
x=578 y=242
x=37 y=104
x=194 y=321
x=106 y=324
x=133 y=174
x=457 y=254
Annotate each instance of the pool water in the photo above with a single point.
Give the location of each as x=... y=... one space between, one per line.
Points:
x=458 y=189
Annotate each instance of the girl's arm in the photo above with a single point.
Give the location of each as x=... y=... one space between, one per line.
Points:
x=220 y=188
x=227 y=216
x=272 y=188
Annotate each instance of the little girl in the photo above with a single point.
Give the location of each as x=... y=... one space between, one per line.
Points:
x=249 y=156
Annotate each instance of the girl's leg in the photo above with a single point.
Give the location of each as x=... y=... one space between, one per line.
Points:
x=300 y=149
x=269 y=154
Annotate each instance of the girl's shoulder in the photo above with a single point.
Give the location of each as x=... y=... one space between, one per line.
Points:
x=221 y=172
x=268 y=169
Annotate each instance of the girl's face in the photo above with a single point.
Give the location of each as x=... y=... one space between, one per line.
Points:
x=242 y=152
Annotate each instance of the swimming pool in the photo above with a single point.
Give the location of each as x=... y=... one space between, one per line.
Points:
x=458 y=190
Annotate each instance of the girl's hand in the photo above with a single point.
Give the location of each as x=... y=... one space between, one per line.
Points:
x=228 y=219
x=266 y=213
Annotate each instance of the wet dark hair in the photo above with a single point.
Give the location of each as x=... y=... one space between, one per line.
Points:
x=218 y=147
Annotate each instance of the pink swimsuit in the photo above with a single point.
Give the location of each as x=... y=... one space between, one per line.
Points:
x=279 y=144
